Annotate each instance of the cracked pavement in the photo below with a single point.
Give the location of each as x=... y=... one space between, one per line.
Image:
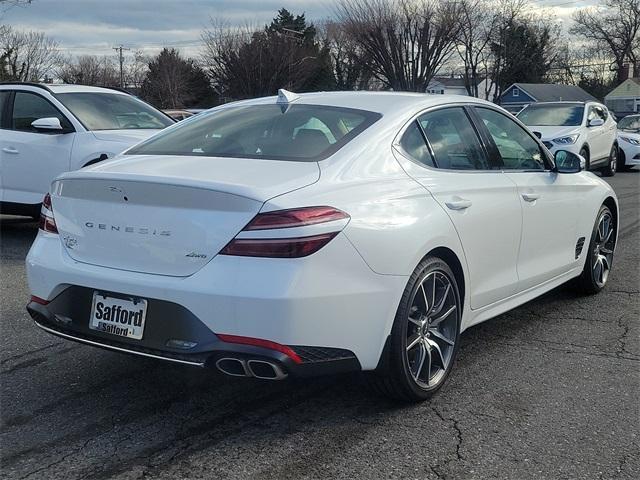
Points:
x=547 y=391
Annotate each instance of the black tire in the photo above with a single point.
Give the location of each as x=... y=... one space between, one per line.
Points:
x=612 y=164
x=584 y=152
x=395 y=376
x=590 y=282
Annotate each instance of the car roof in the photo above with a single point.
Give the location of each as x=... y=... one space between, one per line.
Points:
x=64 y=87
x=383 y=102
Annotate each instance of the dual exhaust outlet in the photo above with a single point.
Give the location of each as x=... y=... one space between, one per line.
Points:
x=262 y=369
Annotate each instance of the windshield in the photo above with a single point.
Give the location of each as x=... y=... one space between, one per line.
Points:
x=274 y=132
x=113 y=111
x=630 y=123
x=552 y=115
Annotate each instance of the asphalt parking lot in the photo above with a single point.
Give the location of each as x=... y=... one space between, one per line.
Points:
x=550 y=390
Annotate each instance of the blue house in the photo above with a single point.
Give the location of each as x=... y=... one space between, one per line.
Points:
x=519 y=95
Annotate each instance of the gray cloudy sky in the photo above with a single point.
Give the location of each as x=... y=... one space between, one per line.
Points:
x=94 y=26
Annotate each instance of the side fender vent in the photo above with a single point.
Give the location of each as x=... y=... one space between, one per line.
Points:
x=579 y=247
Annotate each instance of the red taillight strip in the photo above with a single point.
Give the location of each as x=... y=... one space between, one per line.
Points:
x=38 y=300
x=258 y=342
x=295 y=217
x=277 y=247
x=47 y=221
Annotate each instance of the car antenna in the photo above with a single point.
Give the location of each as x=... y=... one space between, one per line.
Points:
x=285 y=98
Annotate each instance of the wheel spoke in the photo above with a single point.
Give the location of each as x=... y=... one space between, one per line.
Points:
x=438 y=308
x=437 y=321
x=438 y=334
x=417 y=323
x=607 y=251
x=424 y=359
x=434 y=345
x=424 y=295
x=413 y=342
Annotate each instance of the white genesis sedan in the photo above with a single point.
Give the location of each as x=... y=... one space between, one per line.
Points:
x=318 y=233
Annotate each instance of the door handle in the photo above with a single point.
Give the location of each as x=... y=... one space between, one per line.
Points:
x=458 y=203
x=10 y=150
x=530 y=197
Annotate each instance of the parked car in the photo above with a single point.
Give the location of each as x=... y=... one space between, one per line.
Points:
x=318 y=233
x=49 y=129
x=585 y=128
x=629 y=141
x=178 y=115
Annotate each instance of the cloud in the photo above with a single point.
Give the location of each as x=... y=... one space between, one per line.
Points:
x=95 y=26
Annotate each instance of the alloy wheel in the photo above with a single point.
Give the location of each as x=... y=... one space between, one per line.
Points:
x=432 y=328
x=603 y=249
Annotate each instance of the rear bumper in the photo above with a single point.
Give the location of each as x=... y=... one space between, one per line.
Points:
x=67 y=316
x=330 y=300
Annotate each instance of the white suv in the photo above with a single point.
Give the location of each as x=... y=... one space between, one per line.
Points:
x=585 y=128
x=46 y=130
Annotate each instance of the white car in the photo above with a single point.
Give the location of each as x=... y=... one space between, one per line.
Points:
x=49 y=129
x=629 y=141
x=584 y=128
x=318 y=233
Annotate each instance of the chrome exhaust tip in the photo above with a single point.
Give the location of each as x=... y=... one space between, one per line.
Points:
x=233 y=366
x=265 y=370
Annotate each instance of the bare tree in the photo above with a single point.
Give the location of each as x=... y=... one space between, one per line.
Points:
x=137 y=69
x=616 y=27
x=28 y=55
x=90 y=70
x=405 y=41
x=479 y=20
x=350 y=64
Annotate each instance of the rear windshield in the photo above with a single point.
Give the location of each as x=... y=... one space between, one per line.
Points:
x=113 y=111
x=552 y=115
x=273 y=132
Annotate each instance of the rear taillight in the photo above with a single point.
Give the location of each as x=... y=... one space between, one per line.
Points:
x=288 y=247
x=47 y=222
x=295 y=217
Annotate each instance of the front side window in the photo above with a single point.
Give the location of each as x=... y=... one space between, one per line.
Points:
x=519 y=151
x=453 y=140
x=29 y=107
x=551 y=115
x=113 y=111
x=272 y=132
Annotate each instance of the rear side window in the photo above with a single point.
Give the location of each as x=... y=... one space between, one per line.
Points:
x=453 y=140
x=413 y=144
x=272 y=132
x=4 y=99
x=29 y=107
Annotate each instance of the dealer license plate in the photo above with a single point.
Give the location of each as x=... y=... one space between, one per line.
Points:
x=123 y=317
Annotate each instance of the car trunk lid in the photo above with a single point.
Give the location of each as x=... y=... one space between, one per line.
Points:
x=170 y=217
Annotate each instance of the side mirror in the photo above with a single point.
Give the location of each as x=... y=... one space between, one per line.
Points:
x=568 y=162
x=47 y=123
x=596 y=122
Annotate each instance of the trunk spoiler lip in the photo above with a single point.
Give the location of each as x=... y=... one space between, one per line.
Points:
x=242 y=190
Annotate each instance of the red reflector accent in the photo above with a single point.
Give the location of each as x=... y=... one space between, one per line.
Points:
x=39 y=300
x=258 y=342
x=295 y=217
x=46 y=202
x=47 y=222
x=277 y=247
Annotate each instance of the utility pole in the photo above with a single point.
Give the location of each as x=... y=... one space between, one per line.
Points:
x=121 y=58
